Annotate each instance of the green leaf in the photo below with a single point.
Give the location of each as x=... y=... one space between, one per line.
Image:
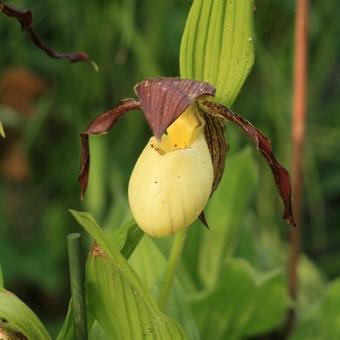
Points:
x=17 y=318
x=67 y=331
x=119 y=212
x=116 y=296
x=217 y=45
x=312 y=284
x=243 y=304
x=323 y=321
x=150 y=264
x=225 y=213
x=123 y=239
x=126 y=238
x=97 y=332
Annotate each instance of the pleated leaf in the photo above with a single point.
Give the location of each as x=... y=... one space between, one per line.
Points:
x=124 y=239
x=217 y=45
x=17 y=321
x=117 y=297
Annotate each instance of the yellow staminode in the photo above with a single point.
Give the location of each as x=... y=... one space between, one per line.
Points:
x=182 y=132
x=172 y=179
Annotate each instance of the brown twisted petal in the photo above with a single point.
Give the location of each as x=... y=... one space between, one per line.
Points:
x=100 y=126
x=218 y=147
x=163 y=100
x=203 y=219
x=263 y=144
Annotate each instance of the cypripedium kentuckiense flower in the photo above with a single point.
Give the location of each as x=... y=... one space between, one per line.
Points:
x=183 y=162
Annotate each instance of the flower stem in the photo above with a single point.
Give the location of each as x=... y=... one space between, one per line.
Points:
x=77 y=286
x=298 y=138
x=175 y=255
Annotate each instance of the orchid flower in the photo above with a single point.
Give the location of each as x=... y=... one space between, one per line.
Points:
x=183 y=162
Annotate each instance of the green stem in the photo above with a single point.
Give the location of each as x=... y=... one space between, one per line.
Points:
x=175 y=255
x=77 y=279
x=95 y=198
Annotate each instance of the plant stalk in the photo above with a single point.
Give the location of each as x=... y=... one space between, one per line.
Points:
x=175 y=255
x=298 y=139
x=77 y=279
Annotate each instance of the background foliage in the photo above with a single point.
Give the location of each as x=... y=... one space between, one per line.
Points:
x=131 y=40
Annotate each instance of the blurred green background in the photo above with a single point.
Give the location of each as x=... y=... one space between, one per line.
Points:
x=45 y=103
